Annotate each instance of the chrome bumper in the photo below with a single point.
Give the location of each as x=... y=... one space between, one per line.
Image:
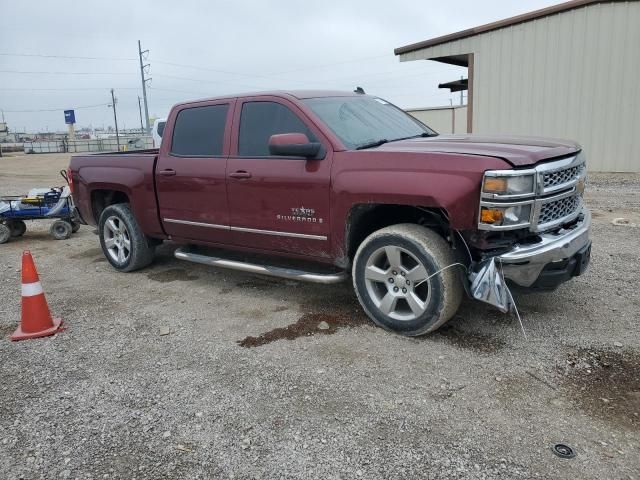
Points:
x=524 y=263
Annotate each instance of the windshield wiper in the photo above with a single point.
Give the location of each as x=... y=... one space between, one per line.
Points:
x=377 y=143
x=420 y=135
x=382 y=141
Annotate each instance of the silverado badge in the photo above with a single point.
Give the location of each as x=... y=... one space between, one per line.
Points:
x=301 y=214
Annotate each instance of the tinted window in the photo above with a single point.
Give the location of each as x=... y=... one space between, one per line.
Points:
x=199 y=131
x=260 y=120
x=161 y=128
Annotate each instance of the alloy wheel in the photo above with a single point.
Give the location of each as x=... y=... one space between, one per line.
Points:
x=117 y=240
x=398 y=283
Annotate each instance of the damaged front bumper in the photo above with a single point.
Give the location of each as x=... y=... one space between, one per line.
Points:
x=556 y=258
x=544 y=265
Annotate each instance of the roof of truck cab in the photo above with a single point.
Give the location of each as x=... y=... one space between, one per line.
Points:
x=299 y=94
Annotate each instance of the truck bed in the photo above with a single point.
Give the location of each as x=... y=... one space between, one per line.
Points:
x=130 y=173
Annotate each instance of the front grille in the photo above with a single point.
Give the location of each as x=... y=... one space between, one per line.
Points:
x=558 y=209
x=553 y=179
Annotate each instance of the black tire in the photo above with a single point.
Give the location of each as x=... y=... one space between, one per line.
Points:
x=439 y=299
x=5 y=233
x=138 y=253
x=75 y=227
x=18 y=227
x=60 y=229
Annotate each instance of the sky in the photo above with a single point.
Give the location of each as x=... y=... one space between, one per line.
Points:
x=200 y=49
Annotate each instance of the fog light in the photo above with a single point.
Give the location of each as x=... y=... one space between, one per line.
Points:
x=491 y=215
x=516 y=215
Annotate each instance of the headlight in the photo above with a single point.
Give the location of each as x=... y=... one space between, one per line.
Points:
x=505 y=216
x=507 y=199
x=508 y=184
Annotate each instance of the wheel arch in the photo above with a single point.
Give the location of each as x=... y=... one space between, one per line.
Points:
x=365 y=218
x=102 y=198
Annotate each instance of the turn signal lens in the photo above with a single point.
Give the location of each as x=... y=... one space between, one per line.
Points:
x=491 y=215
x=495 y=185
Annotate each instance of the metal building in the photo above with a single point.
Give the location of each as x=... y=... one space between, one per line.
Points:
x=566 y=71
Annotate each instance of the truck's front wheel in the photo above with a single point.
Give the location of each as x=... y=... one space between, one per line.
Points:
x=393 y=275
x=123 y=242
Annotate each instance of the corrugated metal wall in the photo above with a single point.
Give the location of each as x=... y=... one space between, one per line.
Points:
x=570 y=75
x=442 y=119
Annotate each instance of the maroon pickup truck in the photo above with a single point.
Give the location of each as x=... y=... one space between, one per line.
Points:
x=318 y=185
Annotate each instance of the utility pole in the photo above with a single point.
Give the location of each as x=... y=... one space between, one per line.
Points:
x=140 y=110
x=144 y=86
x=115 y=117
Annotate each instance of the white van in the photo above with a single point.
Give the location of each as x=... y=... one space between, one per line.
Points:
x=157 y=130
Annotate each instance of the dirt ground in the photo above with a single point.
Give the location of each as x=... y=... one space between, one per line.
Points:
x=183 y=371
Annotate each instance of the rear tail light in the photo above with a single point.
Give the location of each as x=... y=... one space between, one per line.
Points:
x=70 y=179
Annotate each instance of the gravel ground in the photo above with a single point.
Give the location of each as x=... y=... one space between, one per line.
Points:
x=183 y=371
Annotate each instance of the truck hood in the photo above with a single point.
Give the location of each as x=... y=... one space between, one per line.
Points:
x=518 y=151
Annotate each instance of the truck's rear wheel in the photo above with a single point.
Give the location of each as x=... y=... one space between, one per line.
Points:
x=123 y=242
x=392 y=276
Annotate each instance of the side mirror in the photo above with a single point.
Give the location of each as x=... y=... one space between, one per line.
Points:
x=294 y=145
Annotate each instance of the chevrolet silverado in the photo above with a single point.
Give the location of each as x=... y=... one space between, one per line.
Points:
x=317 y=186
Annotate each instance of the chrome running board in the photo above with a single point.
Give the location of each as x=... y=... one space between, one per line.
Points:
x=292 y=274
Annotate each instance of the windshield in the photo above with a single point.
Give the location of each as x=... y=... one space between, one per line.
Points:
x=364 y=121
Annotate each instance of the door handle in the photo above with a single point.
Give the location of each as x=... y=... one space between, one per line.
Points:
x=240 y=174
x=169 y=172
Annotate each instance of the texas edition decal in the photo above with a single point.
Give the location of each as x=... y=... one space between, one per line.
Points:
x=300 y=214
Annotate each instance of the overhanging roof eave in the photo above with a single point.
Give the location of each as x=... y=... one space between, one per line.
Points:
x=526 y=17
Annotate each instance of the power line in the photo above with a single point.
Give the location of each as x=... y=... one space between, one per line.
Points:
x=74 y=57
x=197 y=67
x=62 y=56
x=332 y=80
x=64 y=73
x=221 y=82
x=57 y=109
x=376 y=83
x=65 y=89
x=227 y=72
x=270 y=77
x=182 y=65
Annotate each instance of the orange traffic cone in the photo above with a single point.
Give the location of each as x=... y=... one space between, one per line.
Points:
x=36 y=319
